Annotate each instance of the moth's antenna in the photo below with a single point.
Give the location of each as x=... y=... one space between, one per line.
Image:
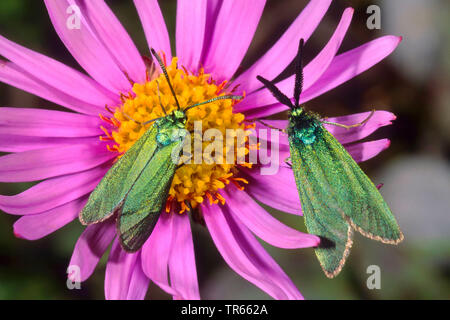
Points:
x=163 y=68
x=280 y=96
x=298 y=73
x=159 y=98
x=212 y=100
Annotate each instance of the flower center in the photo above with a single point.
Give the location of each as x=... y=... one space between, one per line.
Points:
x=192 y=183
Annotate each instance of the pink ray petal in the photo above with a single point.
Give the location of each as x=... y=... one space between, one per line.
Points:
x=14 y=143
x=47 y=123
x=246 y=256
x=343 y=68
x=284 y=50
x=55 y=74
x=54 y=192
x=90 y=247
x=86 y=48
x=352 y=63
x=114 y=38
x=41 y=164
x=236 y=24
x=191 y=20
x=278 y=191
x=16 y=77
x=182 y=268
x=156 y=253
x=264 y=225
x=366 y=150
x=37 y=226
x=139 y=282
x=121 y=275
x=311 y=72
x=154 y=26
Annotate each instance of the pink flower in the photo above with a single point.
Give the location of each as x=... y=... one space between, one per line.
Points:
x=63 y=149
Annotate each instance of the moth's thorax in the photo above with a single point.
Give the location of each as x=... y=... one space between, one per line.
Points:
x=171 y=128
x=303 y=126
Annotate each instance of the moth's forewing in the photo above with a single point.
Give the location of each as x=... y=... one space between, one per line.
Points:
x=335 y=195
x=112 y=189
x=322 y=216
x=364 y=207
x=147 y=198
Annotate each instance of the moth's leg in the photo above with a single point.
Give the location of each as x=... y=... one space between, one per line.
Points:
x=271 y=127
x=288 y=162
x=187 y=157
x=130 y=118
x=353 y=125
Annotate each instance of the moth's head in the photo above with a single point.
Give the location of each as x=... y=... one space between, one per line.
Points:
x=179 y=118
x=296 y=112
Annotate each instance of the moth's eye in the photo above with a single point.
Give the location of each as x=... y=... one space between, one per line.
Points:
x=163 y=139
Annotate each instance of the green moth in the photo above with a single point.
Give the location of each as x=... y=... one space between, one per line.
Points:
x=136 y=187
x=336 y=196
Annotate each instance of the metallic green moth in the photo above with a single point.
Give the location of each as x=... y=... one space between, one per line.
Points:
x=137 y=185
x=336 y=196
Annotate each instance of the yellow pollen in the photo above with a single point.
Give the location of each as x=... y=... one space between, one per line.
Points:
x=192 y=183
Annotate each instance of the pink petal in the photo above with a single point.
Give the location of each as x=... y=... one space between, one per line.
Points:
x=378 y=120
x=191 y=20
x=312 y=71
x=352 y=63
x=343 y=68
x=262 y=224
x=120 y=273
x=53 y=193
x=245 y=255
x=13 y=143
x=139 y=282
x=234 y=29
x=47 y=123
x=156 y=253
x=115 y=38
x=16 y=77
x=90 y=247
x=154 y=26
x=366 y=150
x=183 y=272
x=37 y=226
x=278 y=191
x=284 y=50
x=41 y=164
x=86 y=48
x=55 y=74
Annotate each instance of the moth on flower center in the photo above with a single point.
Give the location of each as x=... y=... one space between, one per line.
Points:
x=193 y=182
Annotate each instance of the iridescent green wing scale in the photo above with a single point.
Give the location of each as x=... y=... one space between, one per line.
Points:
x=110 y=193
x=364 y=207
x=322 y=216
x=147 y=198
x=337 y=196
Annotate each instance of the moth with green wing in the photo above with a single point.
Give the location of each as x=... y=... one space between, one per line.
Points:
x=336 y=196
x=136 y=187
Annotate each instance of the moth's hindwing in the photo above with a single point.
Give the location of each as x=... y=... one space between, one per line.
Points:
x=147 y=198
x=112 y=189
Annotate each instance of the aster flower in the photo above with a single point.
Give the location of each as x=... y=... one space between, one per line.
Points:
x=71 y=151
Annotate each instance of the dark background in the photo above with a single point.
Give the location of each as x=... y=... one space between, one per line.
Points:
x=413 y=83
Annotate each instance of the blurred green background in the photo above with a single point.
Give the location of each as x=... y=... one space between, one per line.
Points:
x=413 y=83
